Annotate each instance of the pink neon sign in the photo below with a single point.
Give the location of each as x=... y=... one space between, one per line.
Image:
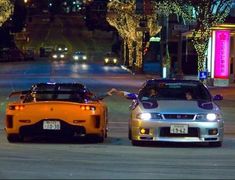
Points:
x=222 y=50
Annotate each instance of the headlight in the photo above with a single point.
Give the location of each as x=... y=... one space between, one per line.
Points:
x=75 y=57
x=106 y=60
x=115 y=60
x=55 y=56
x=84 y=57
x=209 y=116
x=66 y=49
x=144 y=116
x=60 y=49
x=62 y=56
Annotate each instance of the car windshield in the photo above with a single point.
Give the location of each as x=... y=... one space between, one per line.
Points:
x=175 y=91
x=71 y=93
x=79 y=53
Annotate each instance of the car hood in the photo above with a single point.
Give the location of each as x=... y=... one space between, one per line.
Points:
x=182 y=106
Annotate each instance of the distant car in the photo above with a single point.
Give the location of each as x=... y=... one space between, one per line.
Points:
x=55 y=109
x=62 y=48
x=58 y=55
x=46 y=51
x=110 y=58
x=180 y=111
x=79 y=56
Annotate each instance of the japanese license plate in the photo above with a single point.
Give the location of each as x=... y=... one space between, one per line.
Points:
x=51 y=125
x=179 y=129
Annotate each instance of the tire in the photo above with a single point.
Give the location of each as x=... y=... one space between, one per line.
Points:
x=136 y=143
x=96 y=138
x=106 y=133
x=100 y=139
x=129 y=134
x=215 y=144
x=14 y=138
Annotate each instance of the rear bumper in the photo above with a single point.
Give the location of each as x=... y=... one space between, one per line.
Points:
x=66 y=129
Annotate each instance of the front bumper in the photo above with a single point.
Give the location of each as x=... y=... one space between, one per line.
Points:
x=160 y=131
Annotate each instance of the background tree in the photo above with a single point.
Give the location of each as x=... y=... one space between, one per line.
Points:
x=122 y=16
x=205 y=14
x=6 y=8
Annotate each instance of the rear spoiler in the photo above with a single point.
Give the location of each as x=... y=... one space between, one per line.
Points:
x=18 y=93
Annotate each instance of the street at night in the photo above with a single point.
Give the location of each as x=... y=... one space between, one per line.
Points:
x=116 y=157
x=119 y=50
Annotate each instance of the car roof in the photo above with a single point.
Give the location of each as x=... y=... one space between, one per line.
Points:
x=78 y=52
x=156 y=81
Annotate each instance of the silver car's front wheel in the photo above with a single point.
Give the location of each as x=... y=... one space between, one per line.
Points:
x=215 y=144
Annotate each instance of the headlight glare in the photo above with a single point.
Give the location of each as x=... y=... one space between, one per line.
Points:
x=106 y=60
x=75 y=57
x=144 y=116
x=211 y=117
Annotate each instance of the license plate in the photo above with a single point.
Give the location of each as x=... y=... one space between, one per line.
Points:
x=51 y=125
x=179 y=129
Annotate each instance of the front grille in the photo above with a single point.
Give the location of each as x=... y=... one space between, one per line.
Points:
x=178 y=116
x=65 y=130
x=192 y=132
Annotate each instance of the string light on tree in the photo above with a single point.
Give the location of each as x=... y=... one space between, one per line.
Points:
x=6 y=9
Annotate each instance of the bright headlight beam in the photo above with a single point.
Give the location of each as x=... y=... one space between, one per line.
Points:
x=145 y=116
x=211 y=116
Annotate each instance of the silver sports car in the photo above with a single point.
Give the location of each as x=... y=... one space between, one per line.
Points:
x=175 y=111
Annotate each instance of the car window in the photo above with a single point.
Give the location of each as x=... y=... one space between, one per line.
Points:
x=59 y=93
x=175 y=91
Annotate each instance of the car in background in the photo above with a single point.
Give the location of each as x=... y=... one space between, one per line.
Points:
x=55 y=110
x=46 y=51
x=62 y=48
x=79 y=56
x=171 y=116
x=58 y=55
x=110 y=58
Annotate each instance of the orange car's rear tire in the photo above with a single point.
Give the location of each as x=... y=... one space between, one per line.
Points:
x=12 y=138
x=100 y=139
x=96 y=138
x=136 y=143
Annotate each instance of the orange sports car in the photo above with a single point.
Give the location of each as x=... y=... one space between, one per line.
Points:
x=56 y=109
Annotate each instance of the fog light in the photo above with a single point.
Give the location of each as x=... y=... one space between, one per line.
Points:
x=144 y=131
x=213 y=131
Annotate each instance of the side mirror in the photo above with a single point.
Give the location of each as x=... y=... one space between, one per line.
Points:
x=134 y=104
x=218 y=97
x=131 y=96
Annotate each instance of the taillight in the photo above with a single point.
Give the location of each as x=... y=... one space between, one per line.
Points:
x=16 y=107
x=87 y=108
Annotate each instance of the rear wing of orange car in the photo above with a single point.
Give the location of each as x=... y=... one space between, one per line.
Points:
x=18 y=93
